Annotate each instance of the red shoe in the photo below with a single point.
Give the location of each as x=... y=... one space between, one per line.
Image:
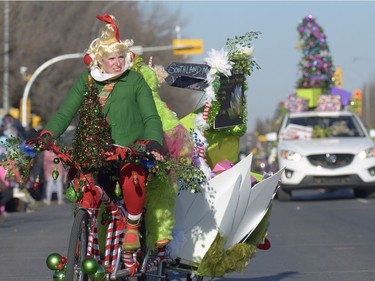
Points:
x=131 y=240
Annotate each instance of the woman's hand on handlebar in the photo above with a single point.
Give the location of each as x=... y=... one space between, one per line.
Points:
x=156 y=149
x=157 y=155
x=41 y=140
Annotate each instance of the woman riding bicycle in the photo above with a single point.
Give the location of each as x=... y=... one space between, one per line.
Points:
x=129 y=110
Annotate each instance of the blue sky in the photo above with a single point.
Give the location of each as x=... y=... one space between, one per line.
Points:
x=348 y=25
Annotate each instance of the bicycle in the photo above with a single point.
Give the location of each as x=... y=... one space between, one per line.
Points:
x=83 y=249
x=238 y=214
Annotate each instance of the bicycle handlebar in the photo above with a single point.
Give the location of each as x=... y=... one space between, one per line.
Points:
x=136 y=152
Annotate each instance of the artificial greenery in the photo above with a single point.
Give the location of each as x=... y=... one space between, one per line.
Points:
x=188 y=176
x=319 y=132
x=17 y=159
x=242 y=63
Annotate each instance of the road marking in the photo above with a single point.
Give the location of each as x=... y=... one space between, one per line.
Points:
x=364 y=201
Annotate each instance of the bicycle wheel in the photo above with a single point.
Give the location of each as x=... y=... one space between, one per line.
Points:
x=77 y=247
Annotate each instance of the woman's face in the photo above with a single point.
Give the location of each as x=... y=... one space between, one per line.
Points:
x=113 y=63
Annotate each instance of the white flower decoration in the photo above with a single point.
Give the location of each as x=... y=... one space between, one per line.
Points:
x=245 y=50
x=219 y=62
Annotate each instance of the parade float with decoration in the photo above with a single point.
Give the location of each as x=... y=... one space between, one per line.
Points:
x=222 y=209
x=220 y=230
x=320 y=125
x=319 y=86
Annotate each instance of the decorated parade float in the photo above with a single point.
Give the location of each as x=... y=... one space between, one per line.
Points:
x=222 y=221
x=321 y=120
x=319 y=86
x=220 y=229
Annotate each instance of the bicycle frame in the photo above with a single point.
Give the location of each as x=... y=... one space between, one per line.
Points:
x=113 y=253
x=93 y=196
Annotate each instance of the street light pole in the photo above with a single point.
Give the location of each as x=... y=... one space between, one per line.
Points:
x=6 y=57
x=35 y=75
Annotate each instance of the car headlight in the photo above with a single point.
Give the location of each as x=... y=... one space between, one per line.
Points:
x=367 y=153
x=291 y=155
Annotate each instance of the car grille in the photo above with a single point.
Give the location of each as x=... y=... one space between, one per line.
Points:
x=331 y=161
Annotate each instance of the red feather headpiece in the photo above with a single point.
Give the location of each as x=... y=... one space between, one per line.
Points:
x=108 y=19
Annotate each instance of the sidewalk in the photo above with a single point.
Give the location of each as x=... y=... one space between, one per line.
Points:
x=27 y=238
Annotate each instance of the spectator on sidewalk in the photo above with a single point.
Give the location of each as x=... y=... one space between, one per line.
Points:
x=6 y=193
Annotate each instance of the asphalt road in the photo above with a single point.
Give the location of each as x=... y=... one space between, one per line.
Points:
x=320 y=236
x=317 y=237
x=26 y=240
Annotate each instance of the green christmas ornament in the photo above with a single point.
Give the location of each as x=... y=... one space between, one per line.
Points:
x=99 y=275
x=89 y=266
x=59 y=276
x=56 y=160
x=72 y=195
x=118 y=191
x=53 y=260
x=55 y=174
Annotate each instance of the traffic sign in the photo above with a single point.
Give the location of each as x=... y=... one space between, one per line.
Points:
x=187 y=75
x=187 y=46
x=357 y=95
x=338 y=77
x=356 y=104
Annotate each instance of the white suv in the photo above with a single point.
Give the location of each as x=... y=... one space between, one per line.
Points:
x=327 y=150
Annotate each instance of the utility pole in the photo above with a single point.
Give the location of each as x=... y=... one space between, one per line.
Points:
x=6 y=57
x=367 y=93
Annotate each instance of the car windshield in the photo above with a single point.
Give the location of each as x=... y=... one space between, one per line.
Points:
x=307 y=127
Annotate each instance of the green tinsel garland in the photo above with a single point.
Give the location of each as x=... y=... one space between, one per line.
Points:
x=93 y=134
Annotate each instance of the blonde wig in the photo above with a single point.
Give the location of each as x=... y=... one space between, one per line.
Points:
x=107 y=43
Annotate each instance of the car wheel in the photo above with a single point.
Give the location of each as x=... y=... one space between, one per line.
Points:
x=283 y=195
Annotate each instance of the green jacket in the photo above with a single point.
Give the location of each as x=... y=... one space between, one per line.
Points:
x=130 y=109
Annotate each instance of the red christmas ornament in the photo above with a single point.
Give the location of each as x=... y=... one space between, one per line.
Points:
x=87 y=59
x=63 y=260
x=60 y=266
x=36 y=183
x=265 y=246
x=135 y=179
